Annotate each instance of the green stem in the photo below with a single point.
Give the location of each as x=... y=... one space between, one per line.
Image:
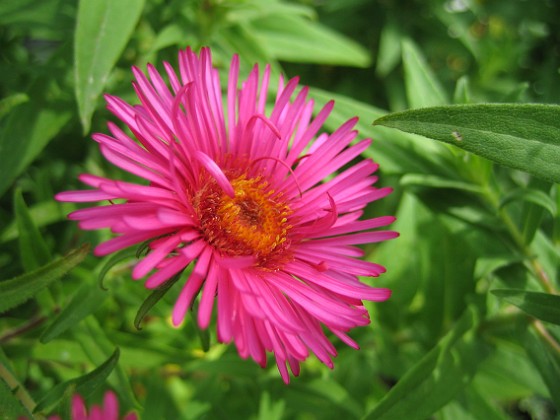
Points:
x=535 y=267
x=19 y=391
x=546 y=336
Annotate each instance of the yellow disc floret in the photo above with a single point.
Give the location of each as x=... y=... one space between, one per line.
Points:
x=252 y=222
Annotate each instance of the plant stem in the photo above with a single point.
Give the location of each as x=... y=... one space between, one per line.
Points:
x=19 y=391
x=33 y=322
x=535 y=267
x=543 y=332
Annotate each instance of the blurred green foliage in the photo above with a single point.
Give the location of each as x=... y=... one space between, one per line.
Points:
x=442 y=347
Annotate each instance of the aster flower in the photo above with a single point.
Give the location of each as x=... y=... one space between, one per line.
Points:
x=241 y=195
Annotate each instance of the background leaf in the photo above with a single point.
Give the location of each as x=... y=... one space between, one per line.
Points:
x=24 y=134
x=540 y=305
x=294 y=38
x=529 y=133
x=86 y=300
x=33 y=249
x=84 y=385
x=103 y=29
x=422 y=87
x=432 y=382
x=15 y=291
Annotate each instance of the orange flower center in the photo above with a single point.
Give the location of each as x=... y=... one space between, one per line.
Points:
x=253 y=222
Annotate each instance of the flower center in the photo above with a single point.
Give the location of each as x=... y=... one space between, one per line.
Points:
x=253 y=222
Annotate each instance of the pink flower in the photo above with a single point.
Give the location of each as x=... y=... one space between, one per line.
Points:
x=108 y=411
x=242 y=195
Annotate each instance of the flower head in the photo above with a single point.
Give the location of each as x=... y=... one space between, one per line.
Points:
x=241 y=194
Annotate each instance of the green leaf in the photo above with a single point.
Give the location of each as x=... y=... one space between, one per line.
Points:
x=525 y=137
x=154 y=298
x=113 y=260
x=270 y=410
x=15 y=291
x=86 y=301
x=462 y=94
x=10 y=102
x=33 y=250
x=84 y=385
x=43 y=214
x=437 y=377
x=540 y=305
x=97 y=346
x=547 y=364
x=396 y=152
x=540 y=198
x=24 y=134
x=438 y=182
x=102 y=31
x=389 y=50
x=296 y=39
x=422 y=87
x=12 y=394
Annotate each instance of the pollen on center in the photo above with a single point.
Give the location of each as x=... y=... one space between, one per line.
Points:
x=252 y=222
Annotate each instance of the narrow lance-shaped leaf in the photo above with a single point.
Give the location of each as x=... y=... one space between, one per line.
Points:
x=102 y=31
x=86 y=300
x=522 y=136
x=84 y=385
x=547 y=363
x=33 y=249
x=16 y=291
x=422 y=87
x=97 y=346
x=540 y=305
x=14 y=399
x=437 y=377
x=154 y=298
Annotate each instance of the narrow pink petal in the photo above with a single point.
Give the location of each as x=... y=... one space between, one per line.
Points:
x=214 y=170
x=124 y=241
x=79 y=411
x=176 y=264
x=360 y=238
x=192 y=286
x=208 y=296
x=96 y=413
x=110 y=406
x=84 y=196
x=154 y=257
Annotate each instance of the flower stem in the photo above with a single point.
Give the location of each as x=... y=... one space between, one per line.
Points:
x=19 y=391
x=543 y=332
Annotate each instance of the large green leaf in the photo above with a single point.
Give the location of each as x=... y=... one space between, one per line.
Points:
x=294 y=38
x=24 y=134
x=102 y=31
x=437 y=377
x=521 y=136
x=540 y=305
x=15 y=291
